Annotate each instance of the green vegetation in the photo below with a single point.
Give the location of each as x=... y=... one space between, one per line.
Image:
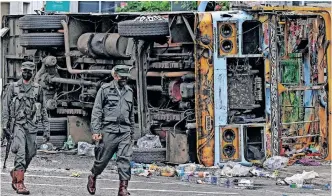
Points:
x=159 y=6
x=146 y=6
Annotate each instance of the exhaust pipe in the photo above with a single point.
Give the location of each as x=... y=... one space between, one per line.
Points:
x=68 y=60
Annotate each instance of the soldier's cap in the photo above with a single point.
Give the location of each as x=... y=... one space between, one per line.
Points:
x=28 y=65
x=122 y=70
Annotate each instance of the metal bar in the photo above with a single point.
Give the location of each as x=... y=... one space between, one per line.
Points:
x=168 y=74
x=304 y=136
x=72 y=81
x=304 y=88
x=289 y=83
x=301 y=122
x=189 y=28
x=254 y=142
x=296 y=106
x=154 y=88
x=174 y=54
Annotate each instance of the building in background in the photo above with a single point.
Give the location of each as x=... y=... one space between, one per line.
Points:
x=20 y=7
x=81 y=6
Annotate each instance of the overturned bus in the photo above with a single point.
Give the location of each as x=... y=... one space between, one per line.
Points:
x=239 y=85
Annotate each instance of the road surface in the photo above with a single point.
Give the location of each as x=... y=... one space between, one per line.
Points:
x=50 y=175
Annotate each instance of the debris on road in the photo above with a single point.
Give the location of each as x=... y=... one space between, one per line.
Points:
x=225 y=174
x=167 y=171
x=308 y=162
x=85 y=149
x=300 y=179
x=149 y=141
x=69 y=144
x=243 y=183
x=75 y=174
x=276 y=162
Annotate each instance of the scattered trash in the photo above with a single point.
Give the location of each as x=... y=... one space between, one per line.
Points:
x=228 y=183
x=199 y=182
x=305 y=186
x=190 y=167
x=85 y=149
x=309 y=186
x=69 y=144
x=145 y=173
x=246 y=183
x=308 y=162
x=75 y=174
x=260 y=173
x=47 y=147
x=235 y=170
x=214 y=180
x=327 y=187
x=239 y=170
x=276 y=162
x=280 y=182
x=167 y=171
x=149 y=141
x=301 y=178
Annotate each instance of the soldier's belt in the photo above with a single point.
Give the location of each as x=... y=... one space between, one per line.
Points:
x=116 y=120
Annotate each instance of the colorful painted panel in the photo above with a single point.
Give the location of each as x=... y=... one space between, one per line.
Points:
x=204 y=95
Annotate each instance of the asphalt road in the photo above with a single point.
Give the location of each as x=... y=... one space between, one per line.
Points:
x=50 y=175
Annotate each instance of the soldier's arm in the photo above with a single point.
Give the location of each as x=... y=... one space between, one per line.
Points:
x=44 y=115
x=6 y=101
x=132 y=118
x=97 y=112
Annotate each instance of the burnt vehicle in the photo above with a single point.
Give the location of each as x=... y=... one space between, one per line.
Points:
x=237 y=85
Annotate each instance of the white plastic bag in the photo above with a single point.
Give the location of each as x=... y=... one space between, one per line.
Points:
x=149 y=141
x=275 y=163
x=300 y=178
x=85 y=149
x=239 y=170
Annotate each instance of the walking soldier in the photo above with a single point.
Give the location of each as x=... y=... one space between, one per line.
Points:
x=112 y=124
x=23 y=109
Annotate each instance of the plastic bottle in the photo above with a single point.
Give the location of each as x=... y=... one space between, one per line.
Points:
x=308 y=186
x=327 y=186
x=228 y=183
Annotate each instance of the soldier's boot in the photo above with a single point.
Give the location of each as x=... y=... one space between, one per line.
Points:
x=91 y=186
x=123 y=188
x=14 y=180
x=21 y=189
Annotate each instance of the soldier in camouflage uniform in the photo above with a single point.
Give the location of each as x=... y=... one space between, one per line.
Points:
x=112 y=124
x=23 y=108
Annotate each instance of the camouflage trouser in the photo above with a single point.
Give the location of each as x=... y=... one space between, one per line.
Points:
x=24 y=147
x=121 y=143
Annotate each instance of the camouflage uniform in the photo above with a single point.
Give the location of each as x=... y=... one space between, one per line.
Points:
x=23 y=106
x=113 y=117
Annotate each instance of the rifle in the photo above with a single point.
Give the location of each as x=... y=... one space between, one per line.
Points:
x=9 y=133
x=9 y=138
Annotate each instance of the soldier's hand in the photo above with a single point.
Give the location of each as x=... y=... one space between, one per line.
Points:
x=96 y=137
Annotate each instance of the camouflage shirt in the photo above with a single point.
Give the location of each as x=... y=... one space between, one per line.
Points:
x=113 y=109
x=24 y=103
